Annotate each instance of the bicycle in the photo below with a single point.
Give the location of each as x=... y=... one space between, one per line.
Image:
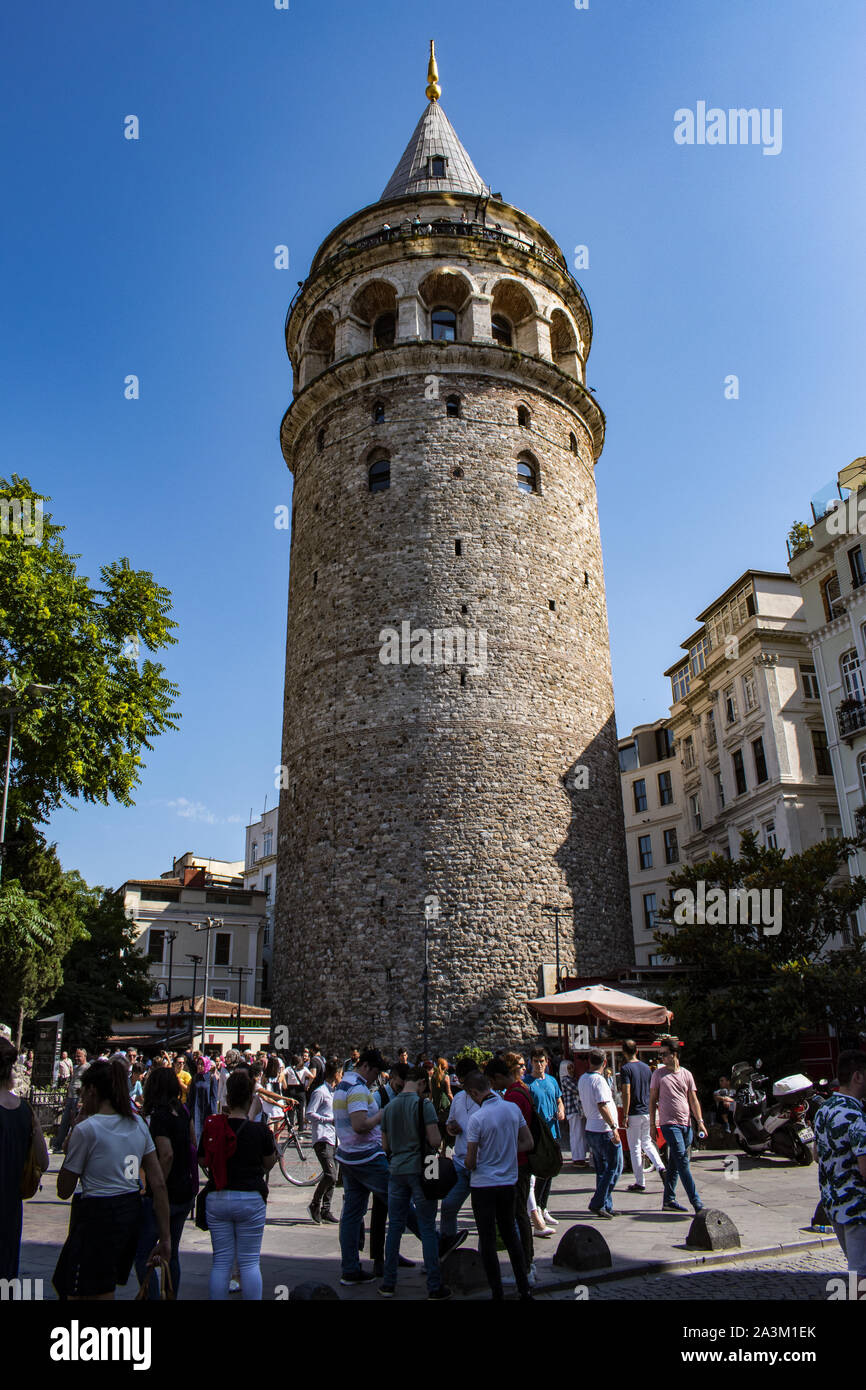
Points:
x=293 y=1158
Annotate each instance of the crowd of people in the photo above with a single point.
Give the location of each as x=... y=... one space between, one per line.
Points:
x=151 y=1143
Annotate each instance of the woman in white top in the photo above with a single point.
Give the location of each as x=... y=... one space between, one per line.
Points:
x=320 y=1112
x=106 y=1151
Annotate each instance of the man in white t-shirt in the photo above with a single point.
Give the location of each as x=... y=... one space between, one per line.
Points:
x=495 y=1134
x=602 y=1134
x=462 y=1108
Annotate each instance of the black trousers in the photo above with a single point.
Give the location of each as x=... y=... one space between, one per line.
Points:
x=521 y=1213
x=494 y=1207
x=328 y=1181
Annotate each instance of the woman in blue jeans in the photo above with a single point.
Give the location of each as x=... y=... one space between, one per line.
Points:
x=172 y=1132
x=236 y=1155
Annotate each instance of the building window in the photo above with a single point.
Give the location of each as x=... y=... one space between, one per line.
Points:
x=452 y=407
x=320 y=441
x=649 y=911
x=720 y=791
x=680 y=682
x=156 y=945
x=688 y=752
x=770 y=840
x=572 y=443
x=712 y=740
x=524 y=419
x=645 y=851
x=666 y=789
x=222 y=948
x=760 y=760
x=858 y=569
x=730 y=702
x=385 y=331
x=698 y=655
x=527 y=476
x=731 y=615
x=443 y=323
x=379 y=474
x=501 y=330
x=695 y=807
x=823 y=766
x=628 y=757
x=861 y=768
x=750 y=697
x=220 y=994
x=849 y=664
x=664 y=743
x=739 y=772
x=267 y=843
x=830 y=594
x=437 y=166
x=254 y=852
x=810 y=683
x=672 y=849
x=379 y=413
x=639 y=793
x=267 y=885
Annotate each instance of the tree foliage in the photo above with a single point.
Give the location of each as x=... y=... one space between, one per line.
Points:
x=746 y=993
x=84 y=739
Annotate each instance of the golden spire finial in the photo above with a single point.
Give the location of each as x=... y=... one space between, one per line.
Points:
x=434 y=91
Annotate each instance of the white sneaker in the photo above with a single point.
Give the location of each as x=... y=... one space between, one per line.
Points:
x=551 y=1221
x=544 y=1234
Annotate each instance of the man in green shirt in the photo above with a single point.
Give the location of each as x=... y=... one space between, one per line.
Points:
x=402 y=1122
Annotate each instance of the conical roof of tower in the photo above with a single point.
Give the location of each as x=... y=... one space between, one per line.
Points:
x=434 y=135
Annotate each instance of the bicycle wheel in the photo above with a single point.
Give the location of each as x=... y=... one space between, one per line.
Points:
x=298 y=1163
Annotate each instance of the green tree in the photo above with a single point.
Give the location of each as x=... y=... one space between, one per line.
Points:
x=799 y=537
x=83 y=739
x=28 y=953
x=745 y=992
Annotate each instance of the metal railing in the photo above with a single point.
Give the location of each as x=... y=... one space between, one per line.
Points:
x=851 y=718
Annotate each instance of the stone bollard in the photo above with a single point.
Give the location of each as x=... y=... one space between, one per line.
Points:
x=312 y=1290
x=464 y=1272
x=583 y=1247
x=712 y=1230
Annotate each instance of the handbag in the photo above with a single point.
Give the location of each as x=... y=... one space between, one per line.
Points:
x=545 y=1159
x=438 y=1174
x=201 y=1205
x=31 y=1173
x=166 y=1290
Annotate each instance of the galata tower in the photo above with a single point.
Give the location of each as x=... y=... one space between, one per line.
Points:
x=449 y=748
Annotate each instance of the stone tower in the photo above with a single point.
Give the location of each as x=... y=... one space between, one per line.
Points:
x=449 y=745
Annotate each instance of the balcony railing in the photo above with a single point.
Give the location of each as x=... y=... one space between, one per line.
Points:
x=851 y=718
x=860 y=822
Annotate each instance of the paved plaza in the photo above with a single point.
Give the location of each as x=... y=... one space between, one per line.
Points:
x=771 y=1203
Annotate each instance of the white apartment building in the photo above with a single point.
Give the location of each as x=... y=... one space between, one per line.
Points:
x=748 y=724
x=166 y=911
x=652 y=798
x=830 y=571
x=260 y=873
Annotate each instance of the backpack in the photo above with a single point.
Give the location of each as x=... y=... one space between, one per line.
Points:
x=545 y=1160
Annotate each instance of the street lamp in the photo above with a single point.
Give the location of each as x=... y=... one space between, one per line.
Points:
x=240 y=971
x=431 y=914
x=209 y=924
x=196 y=962
x=171 y=937
x=555 y=911
x=12 y=710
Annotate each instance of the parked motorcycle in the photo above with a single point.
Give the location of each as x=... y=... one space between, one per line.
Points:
x=783 y=1127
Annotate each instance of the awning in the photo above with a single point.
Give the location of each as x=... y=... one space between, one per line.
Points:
x=599 y=1002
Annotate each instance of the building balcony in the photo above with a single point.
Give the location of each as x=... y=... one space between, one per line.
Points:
x=851 y=718
x=860 y=822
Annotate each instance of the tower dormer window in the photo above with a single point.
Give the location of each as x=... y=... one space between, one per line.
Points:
x=320 y=440
x=572 y=443
x=438 y=163
x=527 y=473
x=524 y=419
x=379 y=474
x=452 y=407
x=379 y=413
x=443 y=323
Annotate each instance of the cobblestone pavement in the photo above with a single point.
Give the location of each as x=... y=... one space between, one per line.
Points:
x=800 y=1276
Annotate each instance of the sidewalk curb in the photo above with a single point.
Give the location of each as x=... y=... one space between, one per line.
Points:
x=697 y=1261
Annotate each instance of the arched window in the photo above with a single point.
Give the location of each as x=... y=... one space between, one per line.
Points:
x=379 y=413
x=379 y=474
x=444 y=325
x=502 y=331
x=852 y=676
x=572 y=443
x=385 y=330
x=320 y=440
x=527 y=474
x=452 y=407
x=524 y=419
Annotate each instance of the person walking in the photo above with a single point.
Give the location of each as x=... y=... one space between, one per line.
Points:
x=674 y=1099
x=574 y=1115
x=635 y=1078
x=172 y=1132
x=840 y=1148
x=462 y=1107
x=200 y=1098
x=496 y=1133
x=236 y=1155
x=441 y=1095
x=516 y=1091
x=19 y=1128
x=406 y=1121
x=602 y=1133
x=108 y=1149
x=320 y=1112
x=73 y=1096
x=548 y=1100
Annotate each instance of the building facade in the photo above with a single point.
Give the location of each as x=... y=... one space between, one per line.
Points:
x=449 y=744
x=654 y=813
x=830 y=571
x=260 y=873
x=166 y=912
x=748 y=725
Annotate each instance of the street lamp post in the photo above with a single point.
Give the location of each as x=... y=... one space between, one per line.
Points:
x=208 y=925
x=240 y=971
x=555 y=911
x=172 y=937
x=196 y=962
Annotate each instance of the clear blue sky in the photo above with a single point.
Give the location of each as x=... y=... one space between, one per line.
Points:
x=261 y=127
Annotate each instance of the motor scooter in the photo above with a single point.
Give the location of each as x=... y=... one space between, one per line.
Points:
x=783 y=1127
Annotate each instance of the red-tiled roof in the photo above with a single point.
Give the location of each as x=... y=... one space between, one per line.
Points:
x=215 y=1007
